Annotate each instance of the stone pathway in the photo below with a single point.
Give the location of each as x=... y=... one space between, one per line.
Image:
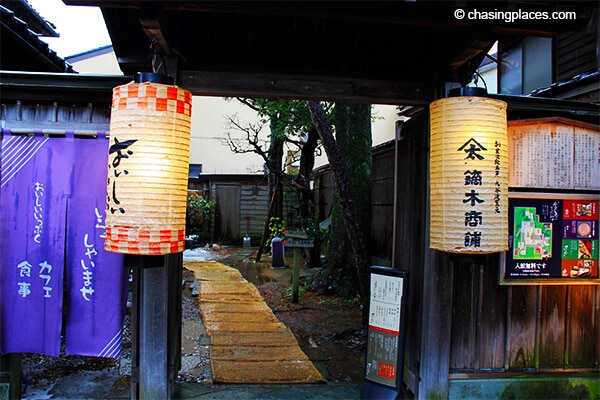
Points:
x=248 y=344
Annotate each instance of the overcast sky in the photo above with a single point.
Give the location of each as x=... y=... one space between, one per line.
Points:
x=80 y=28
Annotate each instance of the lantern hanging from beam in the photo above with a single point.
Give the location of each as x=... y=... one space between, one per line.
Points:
x=148 y=165
x=468 y=174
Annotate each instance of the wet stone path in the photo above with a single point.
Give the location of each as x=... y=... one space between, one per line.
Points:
x=248 y=343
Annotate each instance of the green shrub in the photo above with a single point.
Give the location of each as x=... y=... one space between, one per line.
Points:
x=276 y=229
x=197 y=218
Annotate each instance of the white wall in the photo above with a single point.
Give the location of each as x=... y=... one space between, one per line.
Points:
x=210 y=126
x=384 y=123
x=105 y=64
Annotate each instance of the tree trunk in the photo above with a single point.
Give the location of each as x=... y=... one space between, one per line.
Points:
x=263 y=238
x=306 y=198
x=275 y=170
x=355 y=229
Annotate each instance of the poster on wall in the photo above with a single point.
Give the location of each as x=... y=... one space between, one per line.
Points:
x=553 y=239
x=385 y=338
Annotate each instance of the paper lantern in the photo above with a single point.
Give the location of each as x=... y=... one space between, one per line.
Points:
x=148 y=165
x=468 y=175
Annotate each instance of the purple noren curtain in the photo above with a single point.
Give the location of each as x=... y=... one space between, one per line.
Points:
x=53 y=203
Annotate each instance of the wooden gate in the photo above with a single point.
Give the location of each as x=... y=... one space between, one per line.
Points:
x=227 y=213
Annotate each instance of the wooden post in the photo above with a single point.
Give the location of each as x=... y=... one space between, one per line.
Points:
x=436 y=327
x=153 y=334
x=156 y=325
x=10 y=375
x=295 y=273
x=436 y=319
x=297 y=240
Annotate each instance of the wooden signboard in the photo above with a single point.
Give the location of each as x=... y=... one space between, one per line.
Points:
x=306 y=243
x=553 y=239
x=297 y=240
x=385 y=341
x=553 y=153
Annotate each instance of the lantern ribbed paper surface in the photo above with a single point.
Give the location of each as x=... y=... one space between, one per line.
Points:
x=468 y=175
x=148 y=165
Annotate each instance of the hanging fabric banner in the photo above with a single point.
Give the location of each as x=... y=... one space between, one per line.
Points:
x=96 y=279
x=32 y=226
x=53 y=204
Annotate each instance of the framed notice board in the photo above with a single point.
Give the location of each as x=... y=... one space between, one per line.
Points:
x=384 y=360
x=553 y=239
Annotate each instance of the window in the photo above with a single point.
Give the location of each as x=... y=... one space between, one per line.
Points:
x=525 y=66
x=195 y=170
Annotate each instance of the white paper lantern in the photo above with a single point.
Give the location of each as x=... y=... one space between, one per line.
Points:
x=468 y=175
x=148 y=165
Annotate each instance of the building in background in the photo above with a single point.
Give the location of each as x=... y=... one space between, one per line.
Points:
x=100 y=61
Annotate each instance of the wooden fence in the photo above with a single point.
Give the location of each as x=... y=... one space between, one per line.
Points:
x=382 y=200
x=242 y=202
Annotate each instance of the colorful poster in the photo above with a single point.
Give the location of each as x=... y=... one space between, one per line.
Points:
x=553 y=238
x=53 y=202
x=580 y=239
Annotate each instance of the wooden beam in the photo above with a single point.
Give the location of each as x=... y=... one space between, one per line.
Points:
x=149 y=20
x=34 y=86
x=153 y=31
x=417 y=14
x=263 y=85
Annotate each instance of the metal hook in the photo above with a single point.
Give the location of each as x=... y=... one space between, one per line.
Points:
x=153 y=58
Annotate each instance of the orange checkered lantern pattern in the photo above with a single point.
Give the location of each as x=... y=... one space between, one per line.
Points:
x=148 y=161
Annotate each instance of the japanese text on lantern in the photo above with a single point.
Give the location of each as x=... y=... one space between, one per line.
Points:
x=117 y=153
x=473 y=177
x=497 y=185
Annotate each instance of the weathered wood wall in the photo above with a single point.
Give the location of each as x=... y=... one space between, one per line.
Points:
x=521 y=328
x=54 y=117
x=248 y=196
x=461 y=323
x=382 y=200
x=571 y=63
x=324 y=185
x=411 y=232
x=535 y=327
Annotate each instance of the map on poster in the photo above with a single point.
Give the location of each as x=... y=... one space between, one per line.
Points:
x=533 y=239
x=553 y=238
